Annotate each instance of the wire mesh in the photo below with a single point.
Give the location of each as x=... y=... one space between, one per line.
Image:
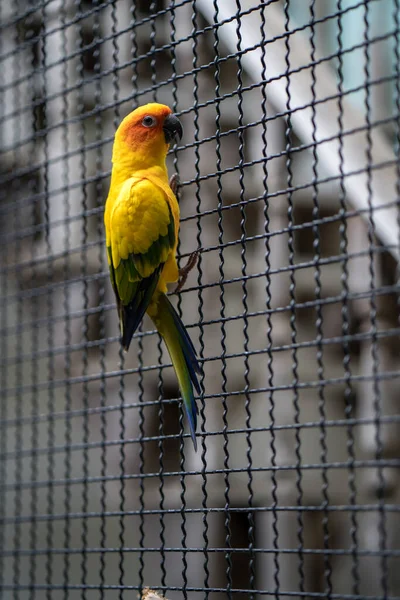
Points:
x=289 y=185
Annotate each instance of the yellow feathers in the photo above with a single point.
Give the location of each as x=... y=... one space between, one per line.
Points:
x=136 y=223
x=142 y=224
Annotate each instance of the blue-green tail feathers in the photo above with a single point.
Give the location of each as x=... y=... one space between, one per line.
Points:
x=183 y=357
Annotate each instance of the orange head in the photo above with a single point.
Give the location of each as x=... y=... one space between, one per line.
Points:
x=143 y=138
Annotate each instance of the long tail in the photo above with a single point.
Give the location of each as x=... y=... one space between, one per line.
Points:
x=182 y=353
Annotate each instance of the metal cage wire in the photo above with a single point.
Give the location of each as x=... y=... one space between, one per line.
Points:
x=290 y=183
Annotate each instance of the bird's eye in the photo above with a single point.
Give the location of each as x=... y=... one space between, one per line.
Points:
x=149 y=121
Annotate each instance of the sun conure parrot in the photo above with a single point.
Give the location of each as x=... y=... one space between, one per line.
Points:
x=142 y=225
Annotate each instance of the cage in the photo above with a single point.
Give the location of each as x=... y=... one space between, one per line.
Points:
x=289 y=186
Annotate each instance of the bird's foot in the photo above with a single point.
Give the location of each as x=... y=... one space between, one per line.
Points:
x=184 y=272
x=174 y=182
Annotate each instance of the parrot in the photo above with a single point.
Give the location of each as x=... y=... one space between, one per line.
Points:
x=141 y=219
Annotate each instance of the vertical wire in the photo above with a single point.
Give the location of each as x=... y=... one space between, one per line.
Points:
x=102 y=298
x=396 y=100
x=373 y=312
x=176 y=171
x=85 y=327
x=201 y=334
x=160 y=386
x=19 y=341
x=292 y=289
x=220 y=205
x=348 y=393
x=142 y=434
x=3 y=371
x=50 y=331
x=121 y=392
x=174 y=61
x=243 y=219
x=267 y=225
x=66 y=306
x=396 y=18
x=179 y=307
x=396 y=75
x=200 y=303
x=181 y=408
x=140 y=353
x=318 y=309
x=33 y=538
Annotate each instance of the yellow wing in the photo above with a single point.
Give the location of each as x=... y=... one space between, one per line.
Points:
x=141 y=238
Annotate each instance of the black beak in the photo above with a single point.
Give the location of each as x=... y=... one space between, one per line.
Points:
x=172 y=128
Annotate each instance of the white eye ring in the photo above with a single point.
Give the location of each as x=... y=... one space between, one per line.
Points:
x=149 y=121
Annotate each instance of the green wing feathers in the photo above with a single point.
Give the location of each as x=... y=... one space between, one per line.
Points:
x=133 y=290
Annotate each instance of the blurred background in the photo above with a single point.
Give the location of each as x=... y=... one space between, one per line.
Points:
x=290 y=182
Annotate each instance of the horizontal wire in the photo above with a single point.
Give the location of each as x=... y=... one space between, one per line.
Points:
x=131 y=550
x=188 y=589
x=54 y=449
x=59 y=383
x=333 y=508
x=327 y=341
